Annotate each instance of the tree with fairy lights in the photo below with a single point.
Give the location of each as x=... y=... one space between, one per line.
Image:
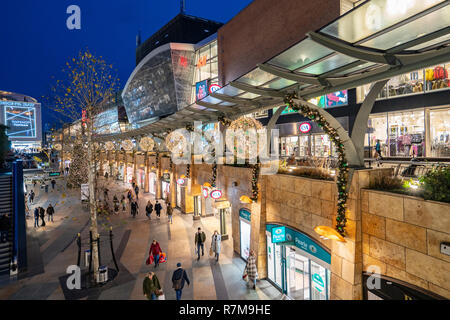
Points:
x=88 y=83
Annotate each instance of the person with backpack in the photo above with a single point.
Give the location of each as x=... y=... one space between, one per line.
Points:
x=134 y=209
x=155 y=251
x=149 y=210
x=158 y=209
x=179 y=278
x=50 y=212
x=169 y=213
x=200 y=238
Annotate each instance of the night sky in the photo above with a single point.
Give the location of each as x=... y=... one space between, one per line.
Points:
x=35 y=42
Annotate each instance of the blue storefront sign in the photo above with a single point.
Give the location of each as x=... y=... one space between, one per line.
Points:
x=284 y=234
x=245 y=214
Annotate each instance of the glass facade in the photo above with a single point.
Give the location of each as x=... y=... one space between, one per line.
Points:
x=206 y=69
x=107 y=122
x=416 y=133
x=305 y=145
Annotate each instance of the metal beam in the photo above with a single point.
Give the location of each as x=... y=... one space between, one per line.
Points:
x=421 y=40
x=238 y=101
x=290 y=75
x=216 y=107
x=255 y=90
x=352 y=51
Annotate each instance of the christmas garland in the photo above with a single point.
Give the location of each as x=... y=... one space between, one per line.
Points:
x=224 y=121
x=214 y=170
x=188 y=171
x=342 y=179
x=255 y=176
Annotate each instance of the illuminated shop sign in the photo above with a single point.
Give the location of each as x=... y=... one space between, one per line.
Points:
x=21 y=121
x=245 y=214
x=216 y=194
x=305 y=127
x=202 y=61
x=205 y=193
x=180 y=181
x=278 y=234
x=201 y=89
x=213 y=88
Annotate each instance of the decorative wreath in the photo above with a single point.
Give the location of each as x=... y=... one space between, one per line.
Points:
x=57 y=147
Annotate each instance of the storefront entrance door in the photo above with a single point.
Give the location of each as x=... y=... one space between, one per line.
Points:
x=297 y=275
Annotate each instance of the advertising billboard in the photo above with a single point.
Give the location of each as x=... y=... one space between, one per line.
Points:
x=21 y=121
x=201 y=90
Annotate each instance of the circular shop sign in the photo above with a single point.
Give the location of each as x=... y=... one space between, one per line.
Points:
x=180 y=181
x=305 y=127
x=213 y=88
x=205 y=193
x=216 y=194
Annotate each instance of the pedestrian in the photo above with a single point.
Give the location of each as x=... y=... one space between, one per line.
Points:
x=134 y=208
x=200 y=238
x=216 y=243
x=36 y=217
x=34 y=184
x=179 y=277
x=50 y=212
x=129 y=196
x=31 y=196
x=252 y=271
x=170 y=212
x=124 y=204
x=151 y=286
x=67 y=170
x=42 y=215
x=46 y=187
x=53 y=182
x=106 y=175
x=158 y=209
x=136 y=191
x=105 y=193
x=155 y=251
x=149 y=210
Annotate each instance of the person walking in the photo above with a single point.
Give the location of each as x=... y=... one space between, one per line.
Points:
x=42 y=216
x=158 y=209
x=67 y=171
x=105 y=193
x=36 y=217
x=155 y=251
x=46 y=187
x=170 y=213
x=34 y=184
x=179 y=278
x=124 y=204
x=200 y=238
x=149 y=210
x=134 y=208
x=136 y=191
x=151 y=286
x=31 y=196
x=252 y=271
x=53 y=182
x=50 y=212
x=216 y=243
x=129 y=196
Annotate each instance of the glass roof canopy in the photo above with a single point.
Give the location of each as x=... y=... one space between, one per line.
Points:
x=377 y=40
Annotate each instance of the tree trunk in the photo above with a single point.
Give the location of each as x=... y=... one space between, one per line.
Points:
x=92 y=198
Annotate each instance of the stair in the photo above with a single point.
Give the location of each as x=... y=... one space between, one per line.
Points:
x=6 y=226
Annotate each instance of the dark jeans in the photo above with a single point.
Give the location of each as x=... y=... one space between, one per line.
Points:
x=154 y=297
x=179 y=292
x=36 y=222
x=217 y=256
x=199 y=244
x=156 y=258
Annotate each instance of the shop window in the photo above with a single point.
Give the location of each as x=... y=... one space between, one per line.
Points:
x=321 y=145
x=406 y=134
x=439 y=133
x=437 y=77
x=377 y=133
x=304 y=147
x=406 y=84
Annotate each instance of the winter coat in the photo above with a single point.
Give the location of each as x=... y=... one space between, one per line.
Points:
x=252 y=271
x=180 y=273
x=155 y=249
x=158 y=208
x=42 y=213
x=169 y=210
x=50 y=211
x=216 y=243
x=36 y=213
x=149 y=208
x=200 y=237
x=151 y=286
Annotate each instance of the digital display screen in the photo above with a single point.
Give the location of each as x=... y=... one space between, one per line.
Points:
x=21 y=121
x=201 y=90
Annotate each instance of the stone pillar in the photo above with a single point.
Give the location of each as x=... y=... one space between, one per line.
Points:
x=125 y=166
x=158 y=177
x=135 y=167
x=146 y=173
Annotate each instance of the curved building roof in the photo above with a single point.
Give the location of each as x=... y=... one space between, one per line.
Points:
x=12 y=96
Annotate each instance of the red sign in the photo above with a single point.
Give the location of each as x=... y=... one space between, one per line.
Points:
x=180 y=181
x=216 y=194
x=305 y=127
x=213 y=88
x=202 y=61
x=205 y=193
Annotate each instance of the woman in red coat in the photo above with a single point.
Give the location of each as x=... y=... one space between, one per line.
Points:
x=155 y=251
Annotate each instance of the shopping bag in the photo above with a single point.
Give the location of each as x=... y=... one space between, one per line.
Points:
x=211 y=252
x=245 y=275
x=161 y=295
x=150 y=260
x=162 y=258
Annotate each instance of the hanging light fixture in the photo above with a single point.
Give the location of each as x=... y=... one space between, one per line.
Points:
x=245 y=199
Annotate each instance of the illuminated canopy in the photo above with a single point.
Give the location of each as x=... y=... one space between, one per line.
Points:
x=377 y=40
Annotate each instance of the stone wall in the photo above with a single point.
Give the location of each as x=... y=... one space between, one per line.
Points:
x=402 y=236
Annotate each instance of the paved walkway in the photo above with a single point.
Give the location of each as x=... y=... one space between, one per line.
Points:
x=52 y=249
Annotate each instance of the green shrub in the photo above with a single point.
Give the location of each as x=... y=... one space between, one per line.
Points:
x=436 y=184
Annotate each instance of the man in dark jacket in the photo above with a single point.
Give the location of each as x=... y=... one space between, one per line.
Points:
x=136 y=191
x=149 y=209
x=42 y=215
x=50 y=212
x=36 y=217
x=200 y=238
x=178 y=279
x=158 y=209
x=53 y=182
x=134 y=208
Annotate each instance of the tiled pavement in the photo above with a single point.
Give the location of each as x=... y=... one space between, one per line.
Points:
x=52 y=249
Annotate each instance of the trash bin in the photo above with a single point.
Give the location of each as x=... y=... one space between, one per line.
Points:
x=102 y=274
x=87 y=256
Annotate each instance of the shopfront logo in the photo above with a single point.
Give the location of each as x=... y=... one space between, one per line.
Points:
x=318 y=282
x=305 y=127
x=205 y=193
x=278 y=234
x=213 y=88
x=180 y=181
x=216 y=194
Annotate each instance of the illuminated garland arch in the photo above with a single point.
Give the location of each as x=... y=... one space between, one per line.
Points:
x=343 y=176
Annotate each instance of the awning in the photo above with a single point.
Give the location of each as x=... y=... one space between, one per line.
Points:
x=377 y=40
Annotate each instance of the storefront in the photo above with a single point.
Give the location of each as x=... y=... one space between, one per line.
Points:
x=245 y=232
x=296 y=264
x=130 y=174
x=141 y=178
x=152 y=183
x=165 y=185
x=417 y=133
x=179 y=187
x=120 y=172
